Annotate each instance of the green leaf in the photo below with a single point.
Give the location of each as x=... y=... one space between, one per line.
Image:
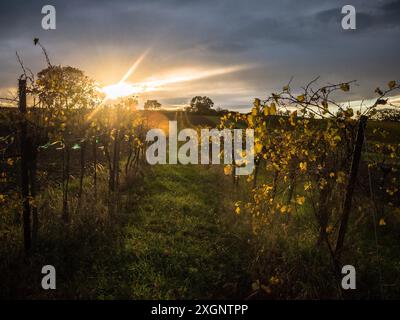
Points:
x=45 y=146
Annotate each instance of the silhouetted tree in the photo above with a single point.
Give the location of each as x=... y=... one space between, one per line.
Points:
x=65 y=87
x=200 y=104
x=152 y=105
x=64 y=93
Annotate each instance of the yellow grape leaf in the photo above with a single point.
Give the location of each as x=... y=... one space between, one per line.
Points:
x=329 y=229
x=266 y=289
x=382 y=222
x=274 y=280
x=228 y=170
x=301 y=98
x=307 y=186
x=300 y=200
x=303 y=166
x=258 y=147
x=272 y=109
x=341 y=177
x=250 y=120
x=292 y=117
x=322 y=183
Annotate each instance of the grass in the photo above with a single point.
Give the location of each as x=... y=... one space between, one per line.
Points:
x=175 y=243
x=182 y=243
x=175 y=236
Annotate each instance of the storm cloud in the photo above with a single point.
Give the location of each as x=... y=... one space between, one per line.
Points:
x=277 y=40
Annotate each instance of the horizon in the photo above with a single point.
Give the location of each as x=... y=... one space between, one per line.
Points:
x=269 y=44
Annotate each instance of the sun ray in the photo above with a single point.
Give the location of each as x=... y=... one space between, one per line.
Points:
x=126 y=76
x=122 y=88
x=134 y=66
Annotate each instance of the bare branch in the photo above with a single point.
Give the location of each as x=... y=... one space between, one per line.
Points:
x=37 y=42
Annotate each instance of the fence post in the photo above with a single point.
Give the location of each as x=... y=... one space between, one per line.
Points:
x=26 y=213
x=350 y=186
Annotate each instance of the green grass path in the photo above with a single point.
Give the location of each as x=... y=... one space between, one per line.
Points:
x=179 y=243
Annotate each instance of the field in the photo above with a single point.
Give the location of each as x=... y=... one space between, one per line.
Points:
x=175 y=232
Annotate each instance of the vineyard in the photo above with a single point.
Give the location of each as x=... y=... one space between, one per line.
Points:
x=77 y=192
x=322 y=176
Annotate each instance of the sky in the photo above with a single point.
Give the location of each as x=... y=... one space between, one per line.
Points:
x=239 y=50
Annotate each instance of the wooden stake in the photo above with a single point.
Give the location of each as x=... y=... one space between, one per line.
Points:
x=350 y=186
x=26 y=213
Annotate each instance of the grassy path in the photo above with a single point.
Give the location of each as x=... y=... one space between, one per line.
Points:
x=174 y=236
x=179 y=243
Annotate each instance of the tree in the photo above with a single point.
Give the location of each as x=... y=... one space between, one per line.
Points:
x=64 y=94
x=65 y=88
x=152 y=105
x=200 y=104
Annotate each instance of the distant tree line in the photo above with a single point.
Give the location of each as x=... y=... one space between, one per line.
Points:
x=152 y=105
x=204 y=106
x=387 y=115
x=199 y=105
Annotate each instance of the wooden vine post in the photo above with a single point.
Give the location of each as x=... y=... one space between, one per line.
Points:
x=350 y=186
x=26 y=213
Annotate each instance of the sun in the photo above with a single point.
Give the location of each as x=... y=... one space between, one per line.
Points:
x=123 y=89
x=120 y=90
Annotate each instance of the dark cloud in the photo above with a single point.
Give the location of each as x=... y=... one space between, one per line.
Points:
x=281 y=38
